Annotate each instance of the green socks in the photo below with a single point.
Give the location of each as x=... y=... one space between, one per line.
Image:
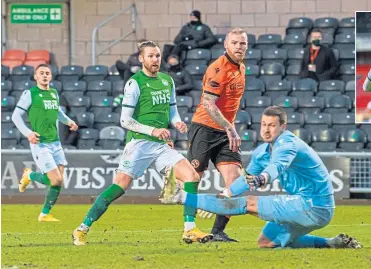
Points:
x=189 y=212
x=40 y=177
x=51 y=198
x=102 y=202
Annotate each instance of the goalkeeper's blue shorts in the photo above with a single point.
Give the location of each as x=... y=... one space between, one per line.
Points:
x=290 y=216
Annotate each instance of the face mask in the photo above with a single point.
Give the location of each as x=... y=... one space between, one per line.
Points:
x=174 y=67
x=194 y=22
x=316 y=42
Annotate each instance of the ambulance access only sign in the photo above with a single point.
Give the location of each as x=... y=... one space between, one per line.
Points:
x=36 y=13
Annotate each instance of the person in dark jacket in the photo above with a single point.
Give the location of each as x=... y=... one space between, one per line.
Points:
x=132 y=66
x=194 y=34
x=182 y=79
x=319 y=62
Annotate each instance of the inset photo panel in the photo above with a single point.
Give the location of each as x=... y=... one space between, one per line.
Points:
x=363 y=67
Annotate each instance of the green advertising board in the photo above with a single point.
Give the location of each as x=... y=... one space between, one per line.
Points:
x=36 y=13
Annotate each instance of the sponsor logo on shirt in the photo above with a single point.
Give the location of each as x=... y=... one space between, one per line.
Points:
x=50 y=104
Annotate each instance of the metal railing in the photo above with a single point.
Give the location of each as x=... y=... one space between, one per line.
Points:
x=94 y=53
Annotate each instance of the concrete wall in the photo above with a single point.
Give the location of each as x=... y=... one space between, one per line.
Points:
x=160 y=20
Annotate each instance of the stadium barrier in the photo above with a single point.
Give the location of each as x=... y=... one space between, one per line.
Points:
x=90 y=172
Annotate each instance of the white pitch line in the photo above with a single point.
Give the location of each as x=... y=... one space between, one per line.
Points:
x=165 y=230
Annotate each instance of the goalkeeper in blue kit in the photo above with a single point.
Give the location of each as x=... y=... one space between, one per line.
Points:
x=308 y=206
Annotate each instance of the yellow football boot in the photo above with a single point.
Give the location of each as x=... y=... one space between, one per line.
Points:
x=25 y=180
x=196 y=235
x=79 y=237
x=47 y=218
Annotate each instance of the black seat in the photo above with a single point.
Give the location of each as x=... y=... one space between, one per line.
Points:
x=344 y=39
x=350 y=87
x=347 y=56
x=184 y=101
x=198 y=56
x=295 y=56
x=6 y=86
x=349 y=22
x=8 y=103
x=242 y=120
x=6 y=120
x=276 y=89
x=252 y=70
x=268 y=41
x=74 y=86
x=254 y=87
x=300 y=25
x=101 y=104
x=118 y=87
x=305 y=87
x=257 y=104
x=95 y=73
x=70 y=73
x=196 y=71
x=331 y=86
x=293 y=41
x=317 y=121
x=293 y=72
x=5 y=72
x=220 y=38
x=57 y=85
x=249 y=138
x=251 y=39
x=78 y=104
x=295 y=120
x=88 y=138
x=353 y=140
x=111 y=137
x=22 y=72
x=23 y=85
x=311 y=104
x=253 y=56
x=271 y=72
x=85 y=119
x=328 y=25
x=216 y=52
x=99 y=88
x=324 y=140
x=303 y=134
x=274 y=56
x=347 y=72
x=289 y=103
x=103 y=120
x=338 y=104
x=9 y=137
x=196 y=97
x=343 y=121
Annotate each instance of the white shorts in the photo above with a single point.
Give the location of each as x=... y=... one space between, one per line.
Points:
x=48 y=156
x=139 y=154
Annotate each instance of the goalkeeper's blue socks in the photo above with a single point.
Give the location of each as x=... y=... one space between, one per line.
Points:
x=189 y=213
x=310 y=241
x=239 y=186
x=217 y=204
x=101 y=204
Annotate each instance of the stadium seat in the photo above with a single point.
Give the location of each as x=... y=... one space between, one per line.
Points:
x=295 y=56
x=74 y=86
x=327 y=95
x=14 y=55
x=252 y=70
x=299 y=25
x=331 y=86
x=347 y=72
x=196 y=71
x=220 y=39
x=88 y=138
x=317 y=121
x=9 y=137
x=338 y=104
x=8 y=103
x=111 y=138
x=350 y=87
x=251 y=39
x=347 y=55
x=324 y=140
x=182 y=111
x=23 y=72
x=311 y=104
x=242 y=120
x=253 y=56
x=345 y=39
x=6 y=120
x=289 y=103
x=184 y=101
x=198 y=56
x=271 y=72
x=78 y=104
x=254 y=87
x=187 y=118
x=118 y=87
x=347 y=26
x=249 y=138
x=55 y=71
x=343 y=121
x=217 y=52
x=328 y=25
x=196 y=97
x=11 y=63
x=5 y=72
x=293 y=41
x=103 y=120
x=273 y=56
x=101 y=104
x=70 y=73
x=276 y=89
x=197 y=85
x=326 y=41
x=293 y=72
x=353 y=140
x=336 y=53
x=99 y=88
x=85 y=119
x=95 y=73
x=35 y=55
x=305 y=87
x=303 y=134
x=25 y=143
x=366 y=128
x=22 y=85
x=4 y=94
x=268 y=41
x=295 y=120
x=6 y=85
x=55 y=84
x=34 y=63
x=257 y=104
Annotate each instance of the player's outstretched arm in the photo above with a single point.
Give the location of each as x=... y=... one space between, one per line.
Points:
x=367 y=82
x=209 y=102
x=63 y=118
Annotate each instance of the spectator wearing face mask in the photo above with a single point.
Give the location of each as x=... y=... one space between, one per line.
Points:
x=319 y=62
x=182 y=79
x=194 y=34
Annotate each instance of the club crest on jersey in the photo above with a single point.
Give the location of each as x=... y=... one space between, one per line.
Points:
x=165 y=82
x=53 y=95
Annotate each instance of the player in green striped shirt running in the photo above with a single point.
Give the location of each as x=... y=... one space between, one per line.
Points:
x=148 y=106
x=41 y=103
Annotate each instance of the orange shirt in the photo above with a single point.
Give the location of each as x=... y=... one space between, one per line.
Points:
x=225 y=79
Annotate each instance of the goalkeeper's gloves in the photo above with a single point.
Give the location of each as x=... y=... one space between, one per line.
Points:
x=255 y=182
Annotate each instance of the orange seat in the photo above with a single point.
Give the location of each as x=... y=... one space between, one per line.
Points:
x=34 y=63
x=11 y=63
x=19 y=55
x=34 y=55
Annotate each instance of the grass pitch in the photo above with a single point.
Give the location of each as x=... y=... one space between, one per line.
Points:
x=149 y=236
